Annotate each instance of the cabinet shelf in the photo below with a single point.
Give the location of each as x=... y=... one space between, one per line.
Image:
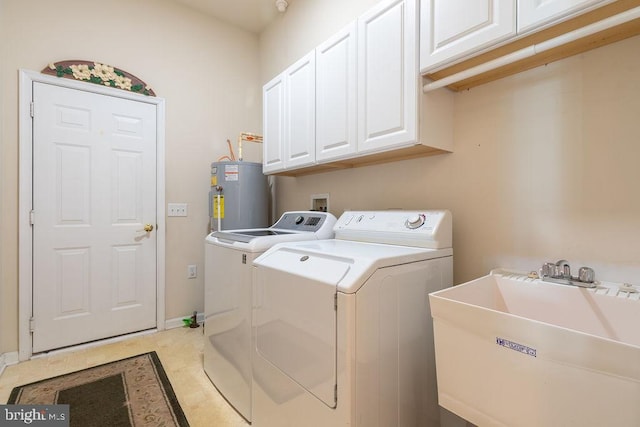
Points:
x=602 y=38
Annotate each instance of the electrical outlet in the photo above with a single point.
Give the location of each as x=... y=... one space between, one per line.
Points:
x=177 y=209
x=192 y=271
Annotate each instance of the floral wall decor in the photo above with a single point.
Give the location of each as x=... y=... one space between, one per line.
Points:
x=102 y=74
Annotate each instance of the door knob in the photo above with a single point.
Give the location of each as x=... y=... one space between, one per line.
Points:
x=147 y=228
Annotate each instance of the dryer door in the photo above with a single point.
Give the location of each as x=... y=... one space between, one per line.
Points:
x=295 y=319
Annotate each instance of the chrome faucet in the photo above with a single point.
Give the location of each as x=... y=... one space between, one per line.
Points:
x=560 y=272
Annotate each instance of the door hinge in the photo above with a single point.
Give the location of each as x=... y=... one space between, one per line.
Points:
x=32 y=324
x=31 y=217
x=335 y=394
x=244 y=258
x=335 y=301
x=31 y=109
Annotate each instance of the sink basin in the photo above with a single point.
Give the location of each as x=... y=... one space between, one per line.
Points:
x=515 y=351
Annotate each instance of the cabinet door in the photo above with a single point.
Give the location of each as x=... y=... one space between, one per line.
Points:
x=451 y=29
x=336 y=91
x=300 y=107
x=387 y=76
x=273 y=95
x=534 y=13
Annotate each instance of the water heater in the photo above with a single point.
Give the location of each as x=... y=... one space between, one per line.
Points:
x=239 y=196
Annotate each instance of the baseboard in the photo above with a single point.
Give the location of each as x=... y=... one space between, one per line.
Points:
x=178 y=323
x=7 y=359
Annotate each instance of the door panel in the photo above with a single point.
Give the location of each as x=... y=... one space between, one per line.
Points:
x=273 y=124
x=451 y=29
x=336 y=96
x=72 y=284
x=94 y=173
x=387 y=76
x=533 y=13
x=300 y=104
x=295 y=320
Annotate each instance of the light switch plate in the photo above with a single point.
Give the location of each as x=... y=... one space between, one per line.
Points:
x=177 y=209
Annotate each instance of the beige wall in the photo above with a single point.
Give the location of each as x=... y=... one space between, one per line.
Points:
x=545 y=163
x=206 y=70
x=306 y=24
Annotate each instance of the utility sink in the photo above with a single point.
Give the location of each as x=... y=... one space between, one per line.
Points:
x=516 y=351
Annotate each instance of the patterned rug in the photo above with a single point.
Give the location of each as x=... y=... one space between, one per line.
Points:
x=131 y=392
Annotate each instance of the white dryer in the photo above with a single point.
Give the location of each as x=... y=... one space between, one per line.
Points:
x=227 y=302
x=343 y=327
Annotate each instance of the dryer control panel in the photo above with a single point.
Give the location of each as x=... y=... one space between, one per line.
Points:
x=426 y=229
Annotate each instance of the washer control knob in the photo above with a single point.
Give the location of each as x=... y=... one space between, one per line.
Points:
x=415 y=221
x=299 y=219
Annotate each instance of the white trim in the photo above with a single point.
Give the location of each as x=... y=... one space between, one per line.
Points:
x=178 y=323
x=160 y=217
x=8 y=359
x=95 y=343
x=25 y=249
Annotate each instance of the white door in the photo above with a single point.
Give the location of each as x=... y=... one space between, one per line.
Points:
x=300 y=107
x=273 y=125
x=336 y=91
x=533 y=13
x=451 y=29
x=94 y=190
x=387 y=76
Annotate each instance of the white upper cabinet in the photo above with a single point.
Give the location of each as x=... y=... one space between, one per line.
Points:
x=534 y=13
x=336 y=91
x=300 y=113
x=273 y=124
x=387 y=76
x=288 y=117
x=356 y=100
x=452 y=29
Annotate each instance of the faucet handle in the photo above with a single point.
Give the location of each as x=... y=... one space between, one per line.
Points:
x=563 y=269
x=548 y=269
x=586 y=274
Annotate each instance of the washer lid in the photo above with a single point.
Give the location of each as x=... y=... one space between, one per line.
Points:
x=291 y=227
x=246 y=236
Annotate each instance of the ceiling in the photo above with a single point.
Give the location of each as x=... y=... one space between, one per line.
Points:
x=251 y=15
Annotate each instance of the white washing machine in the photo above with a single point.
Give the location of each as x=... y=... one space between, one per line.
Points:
x=227 y=302
x=343 y=330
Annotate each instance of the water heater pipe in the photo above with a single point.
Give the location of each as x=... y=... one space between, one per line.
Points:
x=249 y=137
x=532 y=50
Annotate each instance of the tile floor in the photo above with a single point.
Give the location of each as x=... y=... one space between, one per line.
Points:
x=180 y=351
